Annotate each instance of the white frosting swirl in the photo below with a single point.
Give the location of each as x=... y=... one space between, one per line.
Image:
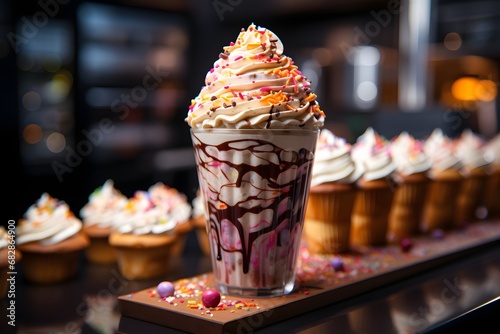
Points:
x=253 y=85
x=469 y=147
x=440 y=150
x=333 y=162
x=48 y=221
x=408 y=155
x=371 y=152
x=103 y=206
x=155 y=211
x=174 y=202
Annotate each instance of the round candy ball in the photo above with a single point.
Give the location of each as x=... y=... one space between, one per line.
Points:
x=165 y=289
x=337 y=264
x=405 y=244
x=210 y=298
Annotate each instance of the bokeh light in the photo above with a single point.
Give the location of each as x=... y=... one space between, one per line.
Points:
x=32 y=133
x=473 y=89
x=56 y=142
x=32 y=101
x=452 y=41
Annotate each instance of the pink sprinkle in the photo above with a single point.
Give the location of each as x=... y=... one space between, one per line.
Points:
x=234 y=94
x=265 y=89
x=284 y=86
x=240 y=95
x=253 y=81
x=231 y=44
x=212 y=70
x=226 y=87
x=238 y=58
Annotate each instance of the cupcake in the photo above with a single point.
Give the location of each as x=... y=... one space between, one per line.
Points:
x=178 y=209
x=51 y=240
x=469 y=147
x=331 y=197
x=9 y=256
x=492 y=196
x=445 y=180
x=97 y=216
x=199 y=223
x=143 y=237
x=412 y=165
x=370 y=217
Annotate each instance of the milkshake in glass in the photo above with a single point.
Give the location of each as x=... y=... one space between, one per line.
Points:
x=254 y=128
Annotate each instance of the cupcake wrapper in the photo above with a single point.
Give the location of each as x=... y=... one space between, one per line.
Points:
x=492 y=198
x=370 y=216
x=470 y=196
x=100 y=251
x=328 y=221
x=440 y=206
x=406 y=211
x=49 y=268
x=143 y=263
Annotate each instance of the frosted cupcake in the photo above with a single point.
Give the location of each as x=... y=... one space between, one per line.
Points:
x=445 y=181
x=143 y=237
x=51 y=240
x=492 y=196
x=98 y=215
x=178 y=209
x=331 y=197
x=370 y=217
x=469 y=147
x=412 y=165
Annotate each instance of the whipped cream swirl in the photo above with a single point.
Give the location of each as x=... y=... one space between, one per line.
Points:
x=440 y=150
x=254 y=86
x=48 y=221
x=332 y=161
x=471 y=149
x=408 y=155
x=155 y=211
x=371 y=152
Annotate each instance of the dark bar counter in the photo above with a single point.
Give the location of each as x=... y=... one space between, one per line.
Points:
x=462 y=294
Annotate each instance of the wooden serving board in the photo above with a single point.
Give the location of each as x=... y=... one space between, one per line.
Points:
x=318 y=284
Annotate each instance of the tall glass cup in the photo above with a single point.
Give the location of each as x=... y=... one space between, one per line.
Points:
x=255 y=185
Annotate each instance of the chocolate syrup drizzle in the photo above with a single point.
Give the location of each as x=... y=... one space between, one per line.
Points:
x=292 y=191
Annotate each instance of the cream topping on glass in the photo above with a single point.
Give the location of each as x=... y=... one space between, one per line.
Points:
x=254 y=86
x=48 y=221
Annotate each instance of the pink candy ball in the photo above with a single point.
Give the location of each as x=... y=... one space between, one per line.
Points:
x=210 y=298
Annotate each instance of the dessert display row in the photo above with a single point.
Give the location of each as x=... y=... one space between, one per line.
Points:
x=417 y=186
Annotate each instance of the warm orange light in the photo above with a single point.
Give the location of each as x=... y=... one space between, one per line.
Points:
x=32 y=133
x=486 y=90
x=465 y=89
x=472 y=89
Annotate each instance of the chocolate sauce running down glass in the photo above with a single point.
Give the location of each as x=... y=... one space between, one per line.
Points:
x=255 y=185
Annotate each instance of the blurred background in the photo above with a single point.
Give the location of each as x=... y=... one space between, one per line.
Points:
x=96 y=90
